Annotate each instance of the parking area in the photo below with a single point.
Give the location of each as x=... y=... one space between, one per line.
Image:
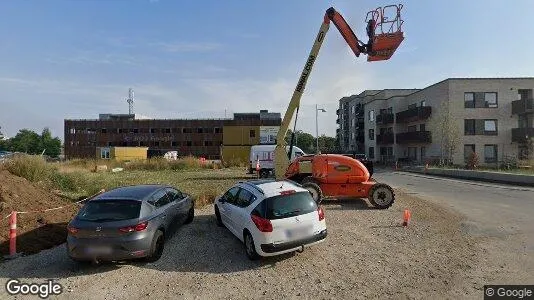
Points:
x=367 y=254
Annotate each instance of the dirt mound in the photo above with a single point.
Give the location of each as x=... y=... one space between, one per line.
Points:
x=36 y=230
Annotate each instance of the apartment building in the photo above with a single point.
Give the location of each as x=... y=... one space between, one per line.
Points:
x=491 y=116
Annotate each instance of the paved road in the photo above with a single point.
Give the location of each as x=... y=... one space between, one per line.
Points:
x=502 y=216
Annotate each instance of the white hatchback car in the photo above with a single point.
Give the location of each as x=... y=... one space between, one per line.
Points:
x=271 y=217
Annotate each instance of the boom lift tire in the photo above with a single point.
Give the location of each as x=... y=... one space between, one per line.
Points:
x=381 y=196
x=315 y=190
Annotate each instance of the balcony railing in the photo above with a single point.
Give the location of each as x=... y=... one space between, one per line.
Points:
x=384 y=119
x=386 y=138
x=522 y=135
x=414 y=137
x=414 y=114
x=522 y=106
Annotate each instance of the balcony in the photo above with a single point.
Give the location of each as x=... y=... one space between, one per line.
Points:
x=385 y=119
x=414 y=114
x=522 y=106
x=521 y=135
x=384 y=139
x=414 y=137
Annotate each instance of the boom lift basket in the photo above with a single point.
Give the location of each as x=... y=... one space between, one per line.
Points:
x=384 y=28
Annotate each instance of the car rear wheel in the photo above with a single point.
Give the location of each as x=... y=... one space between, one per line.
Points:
x=157 y=247
x=190 y=215
x=218 y=217
x=250 y=248
x=264 y=173
x=315 y=191
x=381 y=196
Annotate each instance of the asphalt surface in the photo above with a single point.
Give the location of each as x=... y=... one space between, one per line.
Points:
x=501 y=216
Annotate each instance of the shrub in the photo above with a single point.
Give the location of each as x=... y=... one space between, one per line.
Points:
x=32 y=167
x=472 y=161
x=205 y=197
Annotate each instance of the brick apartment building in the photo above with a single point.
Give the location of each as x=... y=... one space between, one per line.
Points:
x=494 y=118
x=198 y=137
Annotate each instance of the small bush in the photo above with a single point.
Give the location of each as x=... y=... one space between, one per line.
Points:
x=32 y=167
x=472 y=161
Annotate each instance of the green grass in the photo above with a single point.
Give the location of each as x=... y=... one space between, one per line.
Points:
x=75 y=180
x=484 y=169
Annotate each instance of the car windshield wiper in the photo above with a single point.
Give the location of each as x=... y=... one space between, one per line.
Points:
x=101 y=219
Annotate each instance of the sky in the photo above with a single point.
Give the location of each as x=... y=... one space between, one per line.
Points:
x=208 y=59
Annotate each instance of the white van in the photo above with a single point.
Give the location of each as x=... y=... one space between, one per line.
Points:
x=265 y=154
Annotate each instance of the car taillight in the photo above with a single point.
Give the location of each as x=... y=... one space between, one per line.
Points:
x=288 y=192
x=72 y=230
x=264 y=225
x=320 y=211
x=138 y=227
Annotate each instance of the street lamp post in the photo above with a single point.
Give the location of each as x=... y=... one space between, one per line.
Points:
x=317 y=126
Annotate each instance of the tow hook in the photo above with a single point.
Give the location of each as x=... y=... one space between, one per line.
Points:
x=301 y=249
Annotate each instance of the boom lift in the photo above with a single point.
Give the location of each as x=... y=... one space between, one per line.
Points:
x=332 y=175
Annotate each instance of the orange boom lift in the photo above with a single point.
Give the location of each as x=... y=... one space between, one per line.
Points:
x=331 y=175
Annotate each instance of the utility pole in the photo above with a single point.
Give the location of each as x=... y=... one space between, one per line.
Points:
x=317 y=127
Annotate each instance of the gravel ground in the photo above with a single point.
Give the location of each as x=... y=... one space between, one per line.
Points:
x=367 y=254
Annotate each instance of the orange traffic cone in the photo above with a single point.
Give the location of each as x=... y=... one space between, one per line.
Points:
x=407 y=217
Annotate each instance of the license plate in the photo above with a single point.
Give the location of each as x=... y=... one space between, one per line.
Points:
x=98 y=250
x=298 y=232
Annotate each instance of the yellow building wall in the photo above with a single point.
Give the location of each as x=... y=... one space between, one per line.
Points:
x=240 y=135
x=235 y=154
x=128 y=153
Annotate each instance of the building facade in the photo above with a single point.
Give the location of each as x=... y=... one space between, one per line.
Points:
x=492 y=117
x=199 y=137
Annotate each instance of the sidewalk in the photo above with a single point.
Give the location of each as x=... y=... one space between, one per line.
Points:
x=486 y=176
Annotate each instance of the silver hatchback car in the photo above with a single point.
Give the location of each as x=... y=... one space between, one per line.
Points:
x=127 y=222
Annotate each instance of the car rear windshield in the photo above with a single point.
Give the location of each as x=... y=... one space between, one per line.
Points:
x=109 y=211
x=285 y=206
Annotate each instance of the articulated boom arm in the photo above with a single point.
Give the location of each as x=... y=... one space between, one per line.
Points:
x=331 y=15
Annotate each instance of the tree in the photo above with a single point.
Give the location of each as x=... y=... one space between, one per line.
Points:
x=51 y=145
x=30 y=142
x=327 y=144
x=303 y=140
x=448 y=133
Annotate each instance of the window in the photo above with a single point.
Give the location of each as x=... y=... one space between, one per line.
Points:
x=173 y=194
x=208 y=130
x=189 y=143
x=490 y=127
x=135 y=130
x=390 y=110
x=353 y=109
x=372 y=152
x=422 y=127
x=412 y=153
x=72 y=131
x=352 y=136
x=352 y=122
x=423 y=153
x=252 y=133
x=290 y=205
x=469 y=100
x=104 y=153
x=200 y=130
x=245 y=198
x=218 y=130
x=490 y=153
x=412 y=128
x=490 y=100
x=153 y=130
x=469 y=127
x=143 y=144
x=230 y=195
x=110 y=210
x=208 y=143
x=174 y=144
x=160 y=199
x=371 y=134
x=423 y=103
x=167 y=130
x=371 y=116
x=104 y=130
x=187 y=130
x=468 y=150
x=156 y=144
